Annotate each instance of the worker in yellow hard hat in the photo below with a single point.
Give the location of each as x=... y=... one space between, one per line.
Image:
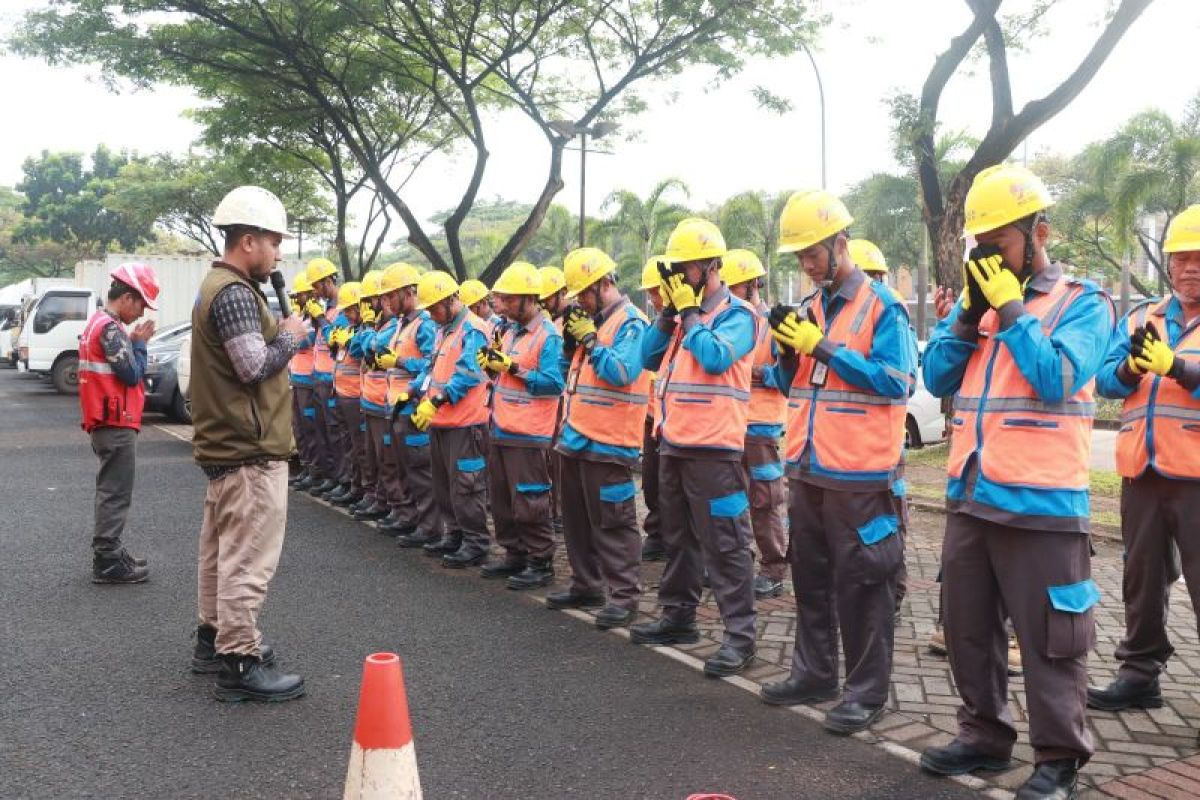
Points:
x=653 y=548
x=869 y=258
x=744 y=273
x=600 y=441
x=848 y=362
x=321 y=274
x=1018 y=354
x=347 y=392
x=476 y=297
x=300 y=377
x=379 y=467
x=553 y=299
x=452 y=407
x=702 y=348
x=1152 y=367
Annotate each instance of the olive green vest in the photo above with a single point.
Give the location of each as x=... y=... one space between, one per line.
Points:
x=235 y=423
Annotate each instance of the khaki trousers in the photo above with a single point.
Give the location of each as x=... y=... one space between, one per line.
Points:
x=245 y=513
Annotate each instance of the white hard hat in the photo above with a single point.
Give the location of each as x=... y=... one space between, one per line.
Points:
x=253 y=206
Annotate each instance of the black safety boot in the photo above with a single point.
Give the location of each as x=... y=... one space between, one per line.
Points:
x=448 y=543
x=511 y=564
x=338 y=488
x=348 y=500
x=341 y=492
x=324 y=486
x=304 y=483
x=247 y=678
x=465 y=556
x=663 y=631
x=1123 y=693
x=538 y=572
x=205 y=660
x=395 y=525
x=1051 y=780
x=299 y=476
x=117 y=567
x=418 y=538
x=653 y=549
x=850 y=716
x=375 y=510
x=614 y=617
x=958 y=758
x=572 y=599
x=794 y=692
x=729 y=660
x=765 y=587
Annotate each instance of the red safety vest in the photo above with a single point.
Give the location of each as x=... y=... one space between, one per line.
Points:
x=599 y=410
x=699 y=409
x=514 y=409
x=404 y=345
x=1160 y=421
x=768 y=405
x=104 y=399
x=1022 y=440
x=471 y=409
x=322 y=359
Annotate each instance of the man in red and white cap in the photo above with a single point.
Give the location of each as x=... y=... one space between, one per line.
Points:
x=112 y=363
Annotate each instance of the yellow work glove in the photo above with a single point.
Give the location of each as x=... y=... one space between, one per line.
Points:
x=366 y=312
x=314 y=309
x=340 y=337
x=682 y=295
x=580 y=325
x=498 y=361
x=424 y=414
x=1154 y=355
x=801 y=335
x=296 y=309
x=386 y=359
x=998 y=285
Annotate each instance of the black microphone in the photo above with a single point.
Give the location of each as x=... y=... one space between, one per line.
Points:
x=279 y=284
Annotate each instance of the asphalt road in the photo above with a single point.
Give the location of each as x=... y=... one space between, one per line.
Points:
x=508 y=700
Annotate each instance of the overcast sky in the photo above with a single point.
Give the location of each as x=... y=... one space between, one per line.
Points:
x=718 y=141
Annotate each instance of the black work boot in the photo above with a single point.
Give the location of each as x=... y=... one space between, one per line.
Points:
x=958 y=758
x=304 y=483
x=850 y=716
x=348 y=500
x=337 y=489
x=247 y=678
x=117 y=567
x=299 y=476
x=395 y=525
x=205 y=660
x=612 y=616
x=362 y=505
x=572 y=599
x=448 y=543
x=1051 y=780
x=511 y=564
x=653 y=549
x=729 y=660
x=794 y=692
x=465 y=556
x=765 y=587
x=663 y=631
x=1124 y=693
x=418 y=538
x=376 y=510
x=324 y=486
x=340 y=493
x=538 y=572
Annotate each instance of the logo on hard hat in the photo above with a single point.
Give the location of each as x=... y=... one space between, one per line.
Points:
x=824 y=213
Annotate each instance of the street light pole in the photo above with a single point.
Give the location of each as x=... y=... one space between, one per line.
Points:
x=821 y=96
x=582 y=187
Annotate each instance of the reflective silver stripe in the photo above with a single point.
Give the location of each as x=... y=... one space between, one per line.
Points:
x=1068 y=374
x=520 y=394
x=340 y=370
x=400 y=373
x=861 y=316
x=1069 y=408
x=96 y=366
x=705 y=388
x=1134 y=414
x=898 y=375
x=1177 y=412
x=838 y=396
x=636 y=398
x=1051 y=316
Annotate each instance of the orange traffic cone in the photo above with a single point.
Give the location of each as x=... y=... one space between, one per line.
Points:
x=383 y=761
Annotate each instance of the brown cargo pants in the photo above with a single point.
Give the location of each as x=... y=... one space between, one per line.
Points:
x=768 y=500
x=519 y=488
x=460 y=483
x=600 y=529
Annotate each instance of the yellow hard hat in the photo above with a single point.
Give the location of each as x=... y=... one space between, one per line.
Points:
x=349 y=294
x=521 y=277
x=1000 y=196
x=584 y=266
x=397 y=276
x=650 y=277
x=319 y=269
x=1183 y=234
x=434 y=287
x=694 y=239
x=300 y=284
x=739 y=266
x=810 y=217
x=370 y=286
x=472 y=291
x=867 y=256
x=553 y=281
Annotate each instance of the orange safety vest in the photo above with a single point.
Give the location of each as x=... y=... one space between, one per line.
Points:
x=1160 y=421
x=301 y=366
x=768 y=405
x=699 y=409
x=404 y=345
x=104 y=399
x=852 y=431
x=322 y=360
x=374 y=397
x=599 y=410
x=1022 y=440
x=347 y=374
x=471 y=409
x=514 y=409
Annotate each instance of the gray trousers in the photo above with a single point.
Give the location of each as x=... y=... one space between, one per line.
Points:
x=988 y=569
x=412 y=451
x=1155 y=512
x=706 y=522
x=844 y=585
x=116 y=449
x=768 y=499
x=600 y=529
x=460 y=482
x=519 y=488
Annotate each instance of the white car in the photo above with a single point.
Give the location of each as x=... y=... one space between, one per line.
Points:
x=49 y=341
x=183 y=371
x=925 y=423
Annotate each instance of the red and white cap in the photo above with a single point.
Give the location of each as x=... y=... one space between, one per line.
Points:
x=140 y=277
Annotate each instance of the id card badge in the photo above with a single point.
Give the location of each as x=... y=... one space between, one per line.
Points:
x=425 y=384
x=819 y=373
x=573 y=380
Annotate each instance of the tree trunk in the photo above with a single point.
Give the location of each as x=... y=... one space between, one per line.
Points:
x=522 y=236
x=945 y=231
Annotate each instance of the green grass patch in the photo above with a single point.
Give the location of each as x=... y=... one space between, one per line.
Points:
x=1105 y=483
x=935 y=455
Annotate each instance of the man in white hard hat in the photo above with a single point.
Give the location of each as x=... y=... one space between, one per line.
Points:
x=241 y=410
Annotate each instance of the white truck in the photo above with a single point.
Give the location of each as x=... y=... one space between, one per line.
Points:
x=48 y=344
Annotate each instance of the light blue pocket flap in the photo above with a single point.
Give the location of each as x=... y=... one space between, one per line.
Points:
x=617 y=492
x=470 y=464
x=899 y=487
x=730 y=506
x=362 y=427
x=310 y=412
x=878 y=529
x=533 y=488
x=767 y=472
x=1074 y=598
x=416 y=439
x=387 y=438
x=331 y=402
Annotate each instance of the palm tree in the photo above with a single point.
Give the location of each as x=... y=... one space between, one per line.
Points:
x=555 y=238
x=639 y=228
x=750 y=220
